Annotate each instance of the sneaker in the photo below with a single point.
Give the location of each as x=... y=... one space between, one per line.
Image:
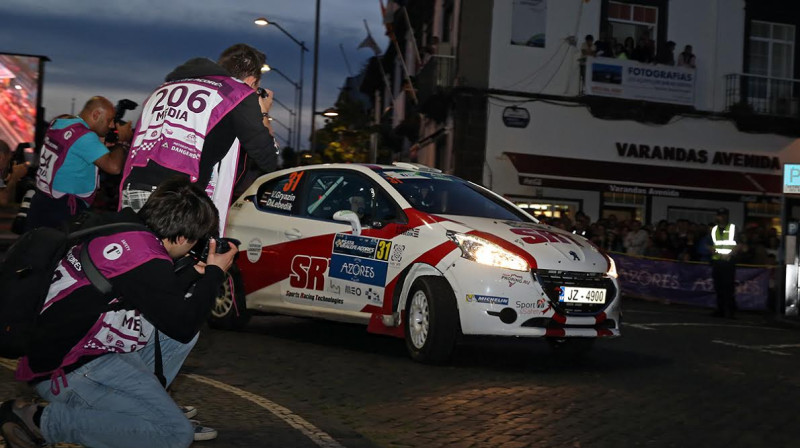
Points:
x=16 y=424
x=203 y=432
x=188 y=411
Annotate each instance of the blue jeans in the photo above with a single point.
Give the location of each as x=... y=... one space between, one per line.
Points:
x=116 y=401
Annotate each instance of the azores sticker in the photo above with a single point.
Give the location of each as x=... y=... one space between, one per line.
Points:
x=359 y=270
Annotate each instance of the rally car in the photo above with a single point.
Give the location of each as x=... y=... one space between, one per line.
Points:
x=413 y=253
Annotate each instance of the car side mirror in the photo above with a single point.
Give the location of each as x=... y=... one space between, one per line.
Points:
x=351 y=217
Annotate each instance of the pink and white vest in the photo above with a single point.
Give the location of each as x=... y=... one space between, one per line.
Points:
x=122 y=331
x=57 y=143
x=175 y=122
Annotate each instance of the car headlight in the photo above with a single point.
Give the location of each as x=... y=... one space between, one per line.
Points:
x=486 y=252
x=612 y=268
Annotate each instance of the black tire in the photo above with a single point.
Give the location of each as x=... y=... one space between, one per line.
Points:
x=571 y=348
x=432 y=324
x=224 y=315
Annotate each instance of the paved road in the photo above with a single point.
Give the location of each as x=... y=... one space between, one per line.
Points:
x=677 y=378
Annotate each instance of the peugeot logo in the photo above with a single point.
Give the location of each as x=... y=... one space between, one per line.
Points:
x=574 y=256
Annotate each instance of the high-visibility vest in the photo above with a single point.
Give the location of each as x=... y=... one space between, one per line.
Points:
x=724 y=241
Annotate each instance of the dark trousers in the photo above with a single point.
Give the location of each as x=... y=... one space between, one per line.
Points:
x=48 y=212
x=724 y=274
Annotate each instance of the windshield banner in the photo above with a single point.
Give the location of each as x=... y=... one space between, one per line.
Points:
x=688 y=283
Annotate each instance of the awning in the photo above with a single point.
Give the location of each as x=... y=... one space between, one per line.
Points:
x=595 y=171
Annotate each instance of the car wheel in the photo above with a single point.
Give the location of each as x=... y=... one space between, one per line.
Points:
x=570 y=348
x=431 y=325
x=225 y=315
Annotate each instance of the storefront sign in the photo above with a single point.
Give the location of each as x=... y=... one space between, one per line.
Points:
x=698 y=156
x=516 y=117
x=688 y=283
x=668 y=192
x=636 y=81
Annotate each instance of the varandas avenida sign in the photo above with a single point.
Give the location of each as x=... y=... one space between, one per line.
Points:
x=699 y=156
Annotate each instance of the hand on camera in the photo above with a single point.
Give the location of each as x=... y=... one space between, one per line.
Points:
x=266 y=102
x=125 y=132
x=222 y=261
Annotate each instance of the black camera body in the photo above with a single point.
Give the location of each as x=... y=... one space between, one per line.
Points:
x=262 y=92
x=122 y=106
x=200 y=250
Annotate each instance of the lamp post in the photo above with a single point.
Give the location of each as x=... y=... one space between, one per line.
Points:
x=298 y=95
x=293 y=120
x=262 y=21
x=314 y=88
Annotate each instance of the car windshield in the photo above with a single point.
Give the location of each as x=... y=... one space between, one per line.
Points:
x=442 y=194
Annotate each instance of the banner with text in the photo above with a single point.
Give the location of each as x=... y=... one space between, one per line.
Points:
x=633 y=80
x=688 y=283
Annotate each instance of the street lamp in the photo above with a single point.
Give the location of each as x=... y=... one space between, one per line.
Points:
x=329 y=112
x=262 y=21
x=293 y=120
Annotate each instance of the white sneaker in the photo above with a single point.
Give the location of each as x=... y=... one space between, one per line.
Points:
x=203 y=432
x=188 y=411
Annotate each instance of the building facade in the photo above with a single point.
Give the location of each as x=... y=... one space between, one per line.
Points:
x=509 y=94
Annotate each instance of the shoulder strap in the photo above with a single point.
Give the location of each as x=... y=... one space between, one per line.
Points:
x=94 y=275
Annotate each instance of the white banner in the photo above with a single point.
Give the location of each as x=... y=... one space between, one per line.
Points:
x=633 y=80
x=529 y=22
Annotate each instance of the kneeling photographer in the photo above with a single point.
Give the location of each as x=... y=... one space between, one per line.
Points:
x=96 y=368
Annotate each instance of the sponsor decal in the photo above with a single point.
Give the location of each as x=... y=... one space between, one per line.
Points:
x=531 y=308
x=359 y=246
x=237 y=205
x=334 y=287
x=537 y=236
x=487 y=299
x=314 y=297
x=154 y=134
x=397 y=253
x=352 y=290
x=308 y=272
x=67 y=135
x=413 y=233
x=279 y=200
x=375 y=296
x=359 y=270
x=514 y=279
x=113 y=251
x=254 y=250
x=191 y=138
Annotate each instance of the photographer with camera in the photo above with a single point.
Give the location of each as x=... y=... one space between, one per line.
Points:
x=71 y=157
x=194 y=123
x=95 y=368
x=10 y=173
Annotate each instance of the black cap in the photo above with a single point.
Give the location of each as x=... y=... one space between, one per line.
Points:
x=722 y=211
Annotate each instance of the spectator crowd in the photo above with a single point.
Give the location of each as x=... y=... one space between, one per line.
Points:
x=681 y=240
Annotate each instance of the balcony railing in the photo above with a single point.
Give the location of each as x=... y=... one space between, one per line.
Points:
x=762 y=95
x=436 y=75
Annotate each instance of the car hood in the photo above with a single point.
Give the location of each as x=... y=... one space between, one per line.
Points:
x=550 y=247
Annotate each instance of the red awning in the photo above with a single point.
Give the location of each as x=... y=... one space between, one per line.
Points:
x=645 y=175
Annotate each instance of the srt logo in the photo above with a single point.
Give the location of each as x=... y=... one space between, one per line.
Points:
x=536 y=236
x=308 y=272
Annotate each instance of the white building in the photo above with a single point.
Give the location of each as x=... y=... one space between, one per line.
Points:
x=503 y=102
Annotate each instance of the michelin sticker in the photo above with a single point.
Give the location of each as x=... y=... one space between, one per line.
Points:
x=487 y=299
x=254 y=250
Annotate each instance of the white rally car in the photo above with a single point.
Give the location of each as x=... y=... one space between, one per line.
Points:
x=414 y=253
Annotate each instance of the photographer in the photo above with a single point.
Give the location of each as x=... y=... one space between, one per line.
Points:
x=214 y=108
x=72 y=153
x=10 y=173
x=96 y=369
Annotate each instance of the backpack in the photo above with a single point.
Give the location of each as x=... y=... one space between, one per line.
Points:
x=27 y=272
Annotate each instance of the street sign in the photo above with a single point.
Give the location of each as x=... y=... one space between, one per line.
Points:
x=791 y=178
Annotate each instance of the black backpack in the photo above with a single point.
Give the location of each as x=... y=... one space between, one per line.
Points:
x=27 y=272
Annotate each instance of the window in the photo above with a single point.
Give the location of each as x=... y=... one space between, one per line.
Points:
x=771 y=57
x=331 y=191
x=632 y=21
x=278 y=195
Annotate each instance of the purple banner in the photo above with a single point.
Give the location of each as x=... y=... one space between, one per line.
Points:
x=688 y=283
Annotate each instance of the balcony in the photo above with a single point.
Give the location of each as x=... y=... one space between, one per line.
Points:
x=763 y=104
x=763 y=95
x=435 y=77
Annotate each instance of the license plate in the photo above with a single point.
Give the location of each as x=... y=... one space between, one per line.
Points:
x=576 y=294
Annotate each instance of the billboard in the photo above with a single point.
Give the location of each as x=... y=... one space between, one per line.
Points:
x=19 y=97
x=633 y=80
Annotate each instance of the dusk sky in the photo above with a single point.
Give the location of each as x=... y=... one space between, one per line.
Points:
x=124 y=49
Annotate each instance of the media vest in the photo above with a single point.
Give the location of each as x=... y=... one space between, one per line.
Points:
x=175 y=121
x=122 y=331
x=57 y=143
x=724 y=239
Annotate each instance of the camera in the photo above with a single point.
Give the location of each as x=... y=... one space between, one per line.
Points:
x=262 y=92
x=200 y=250
x=122 y=106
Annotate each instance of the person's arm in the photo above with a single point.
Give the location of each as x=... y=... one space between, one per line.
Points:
x=113 y=161
x=254 y=135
